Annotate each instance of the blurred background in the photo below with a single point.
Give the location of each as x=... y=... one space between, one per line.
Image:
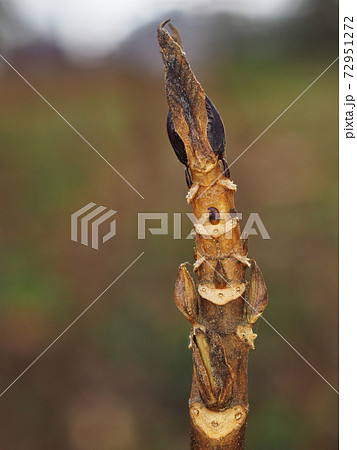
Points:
x=120 y=377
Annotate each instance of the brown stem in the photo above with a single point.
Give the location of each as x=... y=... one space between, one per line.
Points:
x=222 y=306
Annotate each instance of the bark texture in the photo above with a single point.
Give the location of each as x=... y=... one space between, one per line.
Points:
x=222 y=306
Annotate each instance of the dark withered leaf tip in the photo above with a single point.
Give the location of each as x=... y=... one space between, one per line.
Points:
x=175 y=34
x=162 y=24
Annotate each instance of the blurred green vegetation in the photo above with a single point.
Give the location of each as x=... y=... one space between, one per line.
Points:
x=120 y=378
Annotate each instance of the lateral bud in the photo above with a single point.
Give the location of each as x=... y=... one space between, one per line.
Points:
x=185 y=295
x=257 y=297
